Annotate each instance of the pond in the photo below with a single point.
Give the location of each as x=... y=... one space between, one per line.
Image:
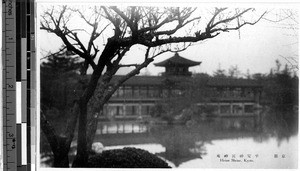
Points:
x=262 y=154
x=231 y=142
x=266 y=142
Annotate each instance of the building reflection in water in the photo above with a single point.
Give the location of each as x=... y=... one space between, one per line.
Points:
x=183 y=143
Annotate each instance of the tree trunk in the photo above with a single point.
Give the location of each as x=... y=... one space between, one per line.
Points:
x=81 y=158
x=61 y=158
x=60 y=144
x=104 y=97
x=92 y=128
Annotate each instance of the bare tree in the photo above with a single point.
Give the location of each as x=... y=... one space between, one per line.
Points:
x=234 y=72
x=159 y=30
x=287 y=19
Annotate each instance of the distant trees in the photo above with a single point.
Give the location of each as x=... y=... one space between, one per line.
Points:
x=56 y=71
x=59 y=75
x=219 y=73
x=281 y=94
x=281 y=88
x=233 y=72
x=281 y=84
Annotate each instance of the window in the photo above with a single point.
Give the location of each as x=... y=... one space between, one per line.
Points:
x=227 y=92
x=165 y=93
x=237 y=92
x=231 y=92
x=145 y=110
x=249 y=109
x=136 y=91
x=127 y=91
x=249 y=93
x=132 y=110
x=143 y=91
x=120 y=111
x=153 y=91
x=136 y=110
x=225 y=109
x=177 y=92
x=105 y=110
x=236 y=109
x=128 y=110
x=120 y=92
x=220 y=92
x=112 y=110
x=210 y=109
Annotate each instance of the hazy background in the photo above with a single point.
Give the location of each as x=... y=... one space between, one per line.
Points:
x=253 y=49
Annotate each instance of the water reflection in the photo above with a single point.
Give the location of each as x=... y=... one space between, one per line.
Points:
x=205 y=142
x=185 y=143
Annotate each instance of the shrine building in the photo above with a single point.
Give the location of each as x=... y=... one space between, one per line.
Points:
x=139 y=95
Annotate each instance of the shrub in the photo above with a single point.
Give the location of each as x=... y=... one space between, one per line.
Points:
x=126 y=158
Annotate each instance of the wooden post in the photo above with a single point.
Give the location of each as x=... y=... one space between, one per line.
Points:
x=243 y=108
x=132 y=127
x=123 y=128
x=140 y=130
x=117 y=127
x=101 y=127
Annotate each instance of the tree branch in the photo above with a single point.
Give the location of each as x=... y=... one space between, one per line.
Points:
x=66 y=32
x=116 y=22
x=217 y=12
x=129 y=65
x=124 y=17
x=83 y=54
x=118 y=83
x=160 y=42
x=231 y=18
x=239 y=26
x=56 y=53
x=61 y=15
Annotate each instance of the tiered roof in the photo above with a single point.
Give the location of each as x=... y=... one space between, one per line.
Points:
x=177 y=60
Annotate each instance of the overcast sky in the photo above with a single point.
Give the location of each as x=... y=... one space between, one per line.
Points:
x=254 y=48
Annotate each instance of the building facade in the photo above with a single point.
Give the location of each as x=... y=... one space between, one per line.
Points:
x=139 y=96
x=233 y=97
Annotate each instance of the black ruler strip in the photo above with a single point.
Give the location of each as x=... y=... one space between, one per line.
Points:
x=29 y=16
x=23 y=17
x=31 y=80
x=19 y=144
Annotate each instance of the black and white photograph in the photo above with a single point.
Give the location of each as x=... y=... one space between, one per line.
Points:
x=168 y=85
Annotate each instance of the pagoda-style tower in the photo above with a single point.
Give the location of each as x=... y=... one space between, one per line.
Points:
x=177 y=66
